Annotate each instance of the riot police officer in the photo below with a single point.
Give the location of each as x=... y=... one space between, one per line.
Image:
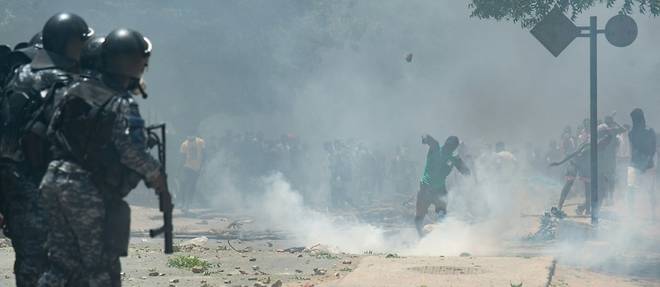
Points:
x=24 y=150
x=101 y=154
x=90 y=57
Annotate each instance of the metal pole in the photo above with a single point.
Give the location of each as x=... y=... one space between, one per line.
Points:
x=593 y=33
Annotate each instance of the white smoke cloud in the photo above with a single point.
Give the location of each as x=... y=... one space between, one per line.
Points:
x=283 y=208
x=482 y=219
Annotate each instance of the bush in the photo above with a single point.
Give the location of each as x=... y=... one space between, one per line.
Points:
x=187 y=261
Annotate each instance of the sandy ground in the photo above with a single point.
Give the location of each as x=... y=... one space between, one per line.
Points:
x=448 y=271
x=241 y=256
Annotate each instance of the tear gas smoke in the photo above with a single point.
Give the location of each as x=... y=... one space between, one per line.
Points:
x=474 y=228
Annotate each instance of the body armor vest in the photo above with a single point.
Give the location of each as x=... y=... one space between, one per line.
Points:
x=82 y=129
x=25 y=110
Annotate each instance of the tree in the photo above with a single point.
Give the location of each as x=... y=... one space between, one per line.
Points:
x=530 y=12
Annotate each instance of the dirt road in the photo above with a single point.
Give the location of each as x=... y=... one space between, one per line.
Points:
x=234 y=254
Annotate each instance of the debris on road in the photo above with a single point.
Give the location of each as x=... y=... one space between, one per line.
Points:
x=199 y=241
x=292 y=249
x=244 y=250
x=195 y=244
x=198 y=269
x=319 y=271
x=392 y=255
x=548 y=227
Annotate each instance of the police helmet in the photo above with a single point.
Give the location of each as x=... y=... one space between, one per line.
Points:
x=124 y=43
x=90 y=56
x=37 y=40
x=62 y=28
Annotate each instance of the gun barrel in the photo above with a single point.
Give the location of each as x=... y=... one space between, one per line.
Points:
x=164 y=196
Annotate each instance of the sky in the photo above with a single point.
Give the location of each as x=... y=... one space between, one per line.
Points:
x=337 y=69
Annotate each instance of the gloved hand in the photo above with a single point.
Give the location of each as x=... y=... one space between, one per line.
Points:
x=158 y=183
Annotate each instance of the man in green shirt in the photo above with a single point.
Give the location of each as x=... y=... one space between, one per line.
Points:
x=440 y=161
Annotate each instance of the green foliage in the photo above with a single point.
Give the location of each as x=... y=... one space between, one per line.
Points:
x=187 y=261
x=326 y=255
x=530 y=12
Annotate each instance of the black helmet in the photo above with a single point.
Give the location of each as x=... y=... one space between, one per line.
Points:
x=61 y=28
x=4 y=54
x=124 y=42
x=37 y=40
x=4 y=50
x=90 y=56
x=21 y=45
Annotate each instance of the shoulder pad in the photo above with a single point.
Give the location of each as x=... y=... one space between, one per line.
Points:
x=91 y=91
x=51 y=76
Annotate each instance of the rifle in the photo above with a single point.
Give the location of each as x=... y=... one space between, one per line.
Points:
x=156 y=135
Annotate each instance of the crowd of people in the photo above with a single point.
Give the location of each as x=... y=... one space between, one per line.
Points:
x=351 y=171
x=626 y=161
x=356 y=172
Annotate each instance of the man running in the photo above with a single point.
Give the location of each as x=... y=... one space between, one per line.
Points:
x=440 y=161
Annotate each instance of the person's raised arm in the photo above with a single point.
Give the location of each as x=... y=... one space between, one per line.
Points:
x=433 y=144
x=570 y=156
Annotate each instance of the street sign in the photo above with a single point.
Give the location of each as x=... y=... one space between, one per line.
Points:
x=555 y=31
x=621 y=30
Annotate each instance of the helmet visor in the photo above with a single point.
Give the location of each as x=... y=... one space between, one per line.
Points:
x=88 y=34
x=147 y=51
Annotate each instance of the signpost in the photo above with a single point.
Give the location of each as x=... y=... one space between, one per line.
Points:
x=556 y=32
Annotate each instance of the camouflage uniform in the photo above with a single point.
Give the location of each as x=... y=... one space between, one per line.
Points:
x=26 y=106
x=89 y=220
x=25 y=225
